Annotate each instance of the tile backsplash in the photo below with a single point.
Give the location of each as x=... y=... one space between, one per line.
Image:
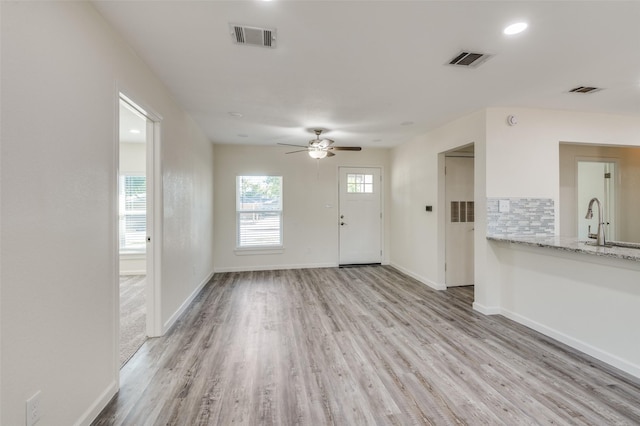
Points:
x=510 y=217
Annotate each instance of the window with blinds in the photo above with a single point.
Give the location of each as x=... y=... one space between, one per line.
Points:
x=259 y=211
x=133 y=213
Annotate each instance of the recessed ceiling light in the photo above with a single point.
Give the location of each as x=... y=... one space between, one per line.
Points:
x=136 y=131
x=235 y=114
x=515 y=28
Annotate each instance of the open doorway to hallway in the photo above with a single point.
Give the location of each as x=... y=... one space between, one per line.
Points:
x=132 y=221
x=459 y=216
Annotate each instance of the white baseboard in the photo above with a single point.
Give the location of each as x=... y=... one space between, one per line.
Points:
x=172 y=320
x=433 y=285
x=96 y=408
x=606 y=357
x=486 y=310
x=275 y=267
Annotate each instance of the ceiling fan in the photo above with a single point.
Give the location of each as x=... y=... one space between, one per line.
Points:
x=320 y=148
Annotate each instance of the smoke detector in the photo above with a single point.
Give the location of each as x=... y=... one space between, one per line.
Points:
x=253 y=36
x=469 y=59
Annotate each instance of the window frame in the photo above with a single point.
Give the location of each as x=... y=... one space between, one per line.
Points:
x=360 y=183
x=259 y=248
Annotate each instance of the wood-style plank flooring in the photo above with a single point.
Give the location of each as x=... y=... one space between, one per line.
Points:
x=359 y=346
x=133 y=315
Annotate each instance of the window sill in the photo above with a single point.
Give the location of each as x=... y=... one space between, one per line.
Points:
x=250 y=251
x=133 y=254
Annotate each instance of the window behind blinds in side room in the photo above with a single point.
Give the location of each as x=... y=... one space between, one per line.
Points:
x=133 y=213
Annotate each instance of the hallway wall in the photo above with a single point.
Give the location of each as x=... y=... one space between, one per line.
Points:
x=62 y=68
x=417 y=240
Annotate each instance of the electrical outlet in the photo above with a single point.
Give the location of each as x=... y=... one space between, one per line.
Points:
x=33 y=409
x=504 y=206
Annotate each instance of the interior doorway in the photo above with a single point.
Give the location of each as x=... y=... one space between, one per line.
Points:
x=459 y=217
x=360 y=219
x=137 y=283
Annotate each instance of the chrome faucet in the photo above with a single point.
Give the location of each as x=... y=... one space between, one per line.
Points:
x=599 y=236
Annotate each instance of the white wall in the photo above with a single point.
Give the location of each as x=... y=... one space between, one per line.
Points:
x=523 y=160
x=62 y=66
x=417 y=240
x=310 y=212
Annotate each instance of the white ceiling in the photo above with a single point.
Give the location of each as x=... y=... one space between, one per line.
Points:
x=361 y=68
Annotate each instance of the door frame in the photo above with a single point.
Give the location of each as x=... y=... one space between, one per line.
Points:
x=450 y=240
x=441 y=218
x=154 y=220
x=382 y=209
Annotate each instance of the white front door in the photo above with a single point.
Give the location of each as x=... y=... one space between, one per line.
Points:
x=360 y=220
x=459 y=210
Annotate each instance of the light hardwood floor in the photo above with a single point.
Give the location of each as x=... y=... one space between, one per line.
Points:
x=133 y=315
x=359 y=346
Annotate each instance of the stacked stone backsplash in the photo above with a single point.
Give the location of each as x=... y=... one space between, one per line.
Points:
x=532 y=217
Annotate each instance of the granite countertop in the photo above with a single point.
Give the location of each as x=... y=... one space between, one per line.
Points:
x=630 y=252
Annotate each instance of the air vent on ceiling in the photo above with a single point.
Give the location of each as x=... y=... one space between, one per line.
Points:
x=253 y=36
x=585 y=89
x=469 y=59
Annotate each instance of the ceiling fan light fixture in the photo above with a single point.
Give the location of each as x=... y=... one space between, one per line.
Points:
x=320 y=148
x=317 y=153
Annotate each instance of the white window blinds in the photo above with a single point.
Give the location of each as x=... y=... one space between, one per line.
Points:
x=133 y=212
x=259 y=211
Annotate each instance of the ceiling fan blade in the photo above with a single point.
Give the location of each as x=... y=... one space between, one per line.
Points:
x=330 y=154
x=290 y=144
x=345 y=148
x=300 y=150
